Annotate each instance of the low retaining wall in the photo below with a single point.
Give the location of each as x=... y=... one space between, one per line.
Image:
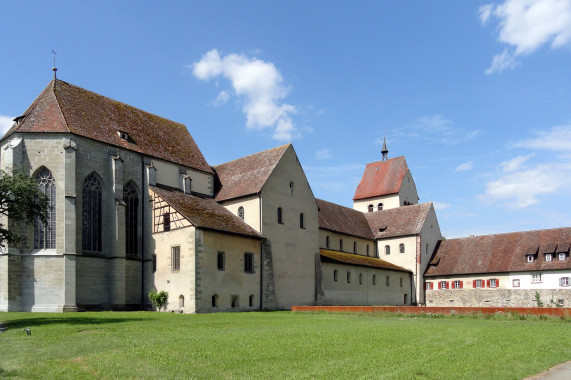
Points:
x=555 y=311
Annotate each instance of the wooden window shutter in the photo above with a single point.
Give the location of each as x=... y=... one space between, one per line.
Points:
x=461 y=284
x=488 y=281
x=497 y=282
x=439 y=284
x=474 y=284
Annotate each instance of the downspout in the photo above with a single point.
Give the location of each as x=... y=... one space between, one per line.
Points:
x=261 y=258
x=143 y=204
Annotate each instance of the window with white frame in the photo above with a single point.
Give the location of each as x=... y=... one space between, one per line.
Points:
x=443 y=284
x=387 y=250
x=479 y=283
x=536 y=277
x=548 y=257
x=175 y=259
x=457 y=284
x=562 y=255
x=428 y=285
x=530 y=258
x=493 y=283
x=241 y=212
x=401 y=248
x=564 y=281
x=515 y=282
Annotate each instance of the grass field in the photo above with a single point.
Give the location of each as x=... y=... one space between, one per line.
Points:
x=110 y=345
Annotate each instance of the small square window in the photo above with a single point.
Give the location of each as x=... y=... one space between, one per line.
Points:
x=493 y=283
x=536 y=277
x=564 y=281
x=479 y=284
x=429 y=286
x=457 y=284
x=548 y=257
x=443 y=284
x=562 y=256
x=530 y=258
x=515 y=282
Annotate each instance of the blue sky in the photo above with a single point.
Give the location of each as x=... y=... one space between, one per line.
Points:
x=476 y=95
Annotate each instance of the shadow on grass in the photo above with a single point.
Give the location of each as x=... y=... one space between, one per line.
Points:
x=4 y=373
x=31 y=322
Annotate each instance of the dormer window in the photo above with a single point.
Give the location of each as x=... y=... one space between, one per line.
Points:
x=125 y=136
x=548 y=257
x=530 y=258
x=562 y=256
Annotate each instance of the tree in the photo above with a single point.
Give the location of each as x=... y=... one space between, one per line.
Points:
x=20 y=201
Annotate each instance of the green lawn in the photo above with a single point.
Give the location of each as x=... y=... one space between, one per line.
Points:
x=278 y=345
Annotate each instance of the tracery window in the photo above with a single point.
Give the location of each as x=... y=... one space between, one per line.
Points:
x=45 y=234
x=91 y=238
x=131 y=198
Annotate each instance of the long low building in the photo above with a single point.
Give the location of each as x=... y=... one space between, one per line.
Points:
x=523 y=269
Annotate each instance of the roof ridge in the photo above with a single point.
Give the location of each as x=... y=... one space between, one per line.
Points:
x=508 y=233
x=253 y=154
x=120 y=102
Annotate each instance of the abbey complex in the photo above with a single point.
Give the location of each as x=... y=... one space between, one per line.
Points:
x=136 y=207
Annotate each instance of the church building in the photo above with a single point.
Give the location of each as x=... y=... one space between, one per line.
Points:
x=135 y=207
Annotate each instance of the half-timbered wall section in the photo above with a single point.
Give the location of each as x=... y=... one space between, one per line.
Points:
x=166 y=218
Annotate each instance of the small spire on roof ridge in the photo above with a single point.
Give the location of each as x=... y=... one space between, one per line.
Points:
x=384 y=151
x=54 y=68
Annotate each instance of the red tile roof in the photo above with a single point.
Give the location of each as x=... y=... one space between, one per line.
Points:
x=337 y=218
x=205 y=213
x=501 y=253
x=246 y=175
x=399 y=221
x=63 y=107
x=353 y=259
x=382 y=178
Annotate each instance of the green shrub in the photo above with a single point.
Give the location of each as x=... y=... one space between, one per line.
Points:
x=159 y=300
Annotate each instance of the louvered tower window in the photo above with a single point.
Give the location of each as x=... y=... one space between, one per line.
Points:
x=45 y=234
x=91 y=240
x=131 y=198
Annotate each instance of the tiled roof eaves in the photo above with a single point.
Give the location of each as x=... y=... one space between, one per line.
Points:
x=375 y=196
x=348 y=234
x=381 y=263
x=257 y=237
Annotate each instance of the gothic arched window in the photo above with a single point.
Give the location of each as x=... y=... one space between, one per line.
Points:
x=241 y=212
x=91 y=237
x=370 y=208
x=45 y=234
x=131 y=198
x=379 y=207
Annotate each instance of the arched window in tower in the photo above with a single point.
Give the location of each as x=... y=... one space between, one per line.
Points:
x=379 y=207
x=301 y=221
x=387 y=250
x=401 y=248
x=354 y=247
x=45 y=234
x=341 y=245
x=367 y=249
x=91 y=214
x=370 y=208
x=280 y=216
x=241 y=212
x=131 y=198
x=335 y=275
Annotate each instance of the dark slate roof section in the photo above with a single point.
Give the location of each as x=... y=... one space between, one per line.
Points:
x=63 y=107
x=204 y=212
x=342 y=219
x=246 y=175
x=353 y=259
x=382 y=178
x=501 y=253
x=399 y=221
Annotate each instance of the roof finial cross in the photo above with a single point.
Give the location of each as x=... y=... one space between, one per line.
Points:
x=54 y=68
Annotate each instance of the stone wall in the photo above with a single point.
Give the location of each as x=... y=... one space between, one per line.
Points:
x=496 y=297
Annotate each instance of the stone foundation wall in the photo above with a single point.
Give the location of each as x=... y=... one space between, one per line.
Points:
x=496 y=297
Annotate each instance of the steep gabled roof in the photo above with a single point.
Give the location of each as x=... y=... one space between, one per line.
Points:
x=63 y=107
x=246 y=175
x=342 y=219
x=352 y=259
x=501 y=253
x=205 y=213
x=399 y=221
x=382 y=178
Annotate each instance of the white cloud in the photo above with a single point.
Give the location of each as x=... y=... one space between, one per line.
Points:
x=439 y=206
x=465 y=166
x=527 y=25
x=259 y=84
x=222 y=98
x=502 y=62
x=6 y=123
x=435 y=129
x=557 y=139
x=515 y=163
x=522 y=188
x=323 y=154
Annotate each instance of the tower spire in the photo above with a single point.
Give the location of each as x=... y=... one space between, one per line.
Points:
x=384 y=151
x=54 y=68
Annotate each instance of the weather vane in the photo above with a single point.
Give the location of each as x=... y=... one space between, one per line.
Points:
x=54 y=68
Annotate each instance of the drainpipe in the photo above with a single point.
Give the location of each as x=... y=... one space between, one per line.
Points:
x=261 y=258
